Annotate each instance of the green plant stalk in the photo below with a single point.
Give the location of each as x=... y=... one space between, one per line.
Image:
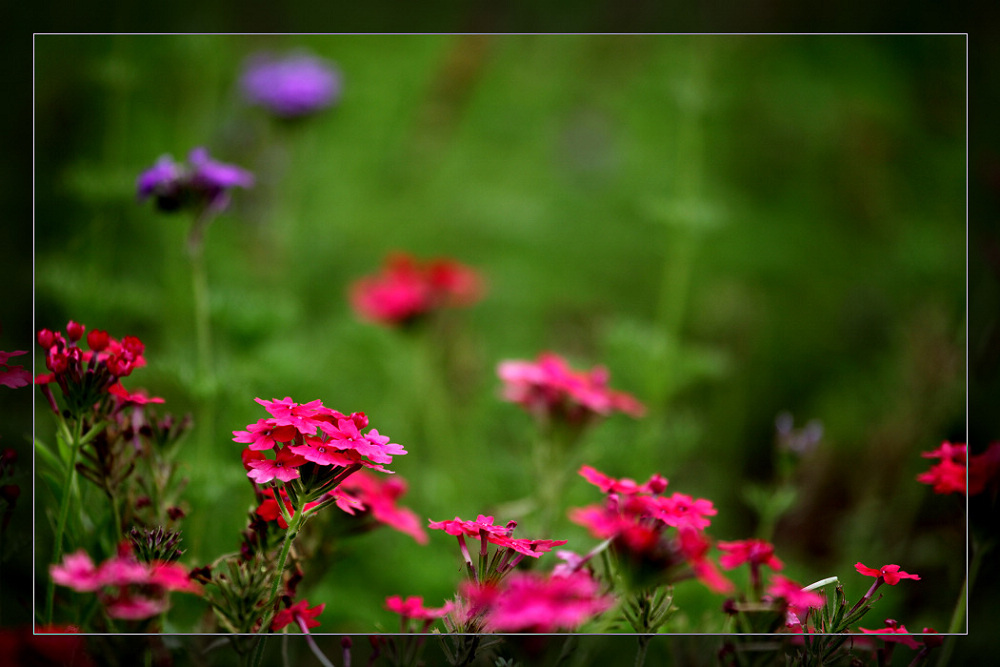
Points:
x=74 y=446
x=958 y=615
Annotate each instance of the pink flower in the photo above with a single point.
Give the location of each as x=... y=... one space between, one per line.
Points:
x=13 y=376
x=306 y=418
x=532 y=602
x=127 y=588
x=265 y=435
x=799 y=601
x=893 y=629
x=78 y=572
x=753 y=551
x=655 y=485
x=306 y=618
x=406 y=290
x=322 y=452
x=282 y=467
x=890 y=574
x=683 y=510
x=380 y=498
x=413 y=607
x=549 y=388
x=140 y=397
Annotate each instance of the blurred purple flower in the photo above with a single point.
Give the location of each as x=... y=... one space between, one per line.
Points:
x=292 y=86
x=202 y=182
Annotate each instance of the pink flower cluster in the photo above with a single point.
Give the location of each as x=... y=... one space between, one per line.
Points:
x=535 y=602
x=86 y=376
x=549 y=389
x=310 y=433
x=407 y=289
x=484 y=530
x=638 y=518
x=954 y=464
x=360 y=495
x=127 y=588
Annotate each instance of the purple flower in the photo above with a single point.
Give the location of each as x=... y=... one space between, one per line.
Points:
x=202 y=182
x=291 y=86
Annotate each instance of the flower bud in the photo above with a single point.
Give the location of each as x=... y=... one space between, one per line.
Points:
x=75 y=330
x=97 y=340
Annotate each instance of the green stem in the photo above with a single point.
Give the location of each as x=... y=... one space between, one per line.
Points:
x=202 y=315
x=640 y=656
x=958 y=615
x=74 y=446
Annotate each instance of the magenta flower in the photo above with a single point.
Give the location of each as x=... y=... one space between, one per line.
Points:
x=127 y=588
x=139 y=397
x=890 y=574
x=368 y=493
x=894 y=632
x=682 y=510
x=292 y=86
x=799 y=601
x=754 y=551
x=265 y=435
x=482 y=524
x=625 y=486
x=283 y=467
x=13 y=376
x=413 y=607
x=532 y=602
x=322 y=452
x=406 y=290
x=298 y=613
x=549 y=388
x=949 y=474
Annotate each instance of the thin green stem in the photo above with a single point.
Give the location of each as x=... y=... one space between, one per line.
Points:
x=958 y=615
x=67 y=488
x=202 y=316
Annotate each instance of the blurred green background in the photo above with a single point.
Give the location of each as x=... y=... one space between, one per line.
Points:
x=734 y=226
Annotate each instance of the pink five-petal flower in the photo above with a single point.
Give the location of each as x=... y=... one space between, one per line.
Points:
x=680 y=510
x=305 y=417
x=264 y=435
x=283 y=466
x=140 y=397
x=322 y=452
x=891 y=574
x=379 y=497
x=298 y=613
x=533 y=602
x=799 y=601
x=894 y=632
x=626 y=486
x=754 y=551
x=413 y=607
x=458 y=526
x=78 y=572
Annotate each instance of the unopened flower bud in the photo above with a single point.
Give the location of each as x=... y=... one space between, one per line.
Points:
x=97 y=340
x=75 y=330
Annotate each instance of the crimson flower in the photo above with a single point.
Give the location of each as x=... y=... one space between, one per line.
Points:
x=533 y=602
x=799 y=601
x=550 y=389
x=298 y=613
x=13 y=376
x=894 y=632
x=890 y=574
x=413 y=607
x=406 y=289
x=626 y=486
x=283 y=466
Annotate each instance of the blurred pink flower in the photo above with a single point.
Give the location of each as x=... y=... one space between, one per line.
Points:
x=413 y=607
x=606 y=484
x=549 y=388
x=799 y=601
x=894 y=632
x=13 y=376
x=754 y=551
x=380 y=498
x=533 y=602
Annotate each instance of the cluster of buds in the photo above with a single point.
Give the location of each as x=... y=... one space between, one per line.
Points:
x=661 y=538
x=89 y=378
x=406 y=290
x=552 y=391
x=127 y=588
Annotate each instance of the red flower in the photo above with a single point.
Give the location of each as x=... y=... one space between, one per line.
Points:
x=283 y=466
x=890 y=574
x=265 y=435
x=799 y=601
x=894 y=628
x=138 y=398
x=406 y=290
x=306 y=618
x=655 y=485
